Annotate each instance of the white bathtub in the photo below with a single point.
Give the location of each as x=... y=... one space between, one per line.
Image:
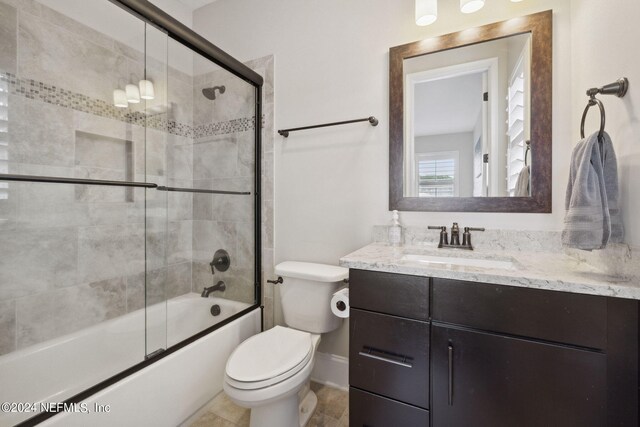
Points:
x=162 y=394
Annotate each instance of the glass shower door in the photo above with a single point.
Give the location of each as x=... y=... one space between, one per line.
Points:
x=73 y=252
x=127 y=162
x=211 y=162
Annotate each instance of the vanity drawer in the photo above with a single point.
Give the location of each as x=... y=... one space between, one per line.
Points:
x=370 y=410
x=547 y=315
x=389 y=355
x=390 y=293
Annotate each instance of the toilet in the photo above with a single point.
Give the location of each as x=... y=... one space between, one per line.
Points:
x=269 y=372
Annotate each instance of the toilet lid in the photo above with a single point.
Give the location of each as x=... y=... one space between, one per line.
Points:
x=270 y=354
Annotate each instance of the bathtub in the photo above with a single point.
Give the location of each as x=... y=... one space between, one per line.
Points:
x=164 y=393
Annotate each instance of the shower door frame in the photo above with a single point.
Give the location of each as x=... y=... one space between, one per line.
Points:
x=174 y=29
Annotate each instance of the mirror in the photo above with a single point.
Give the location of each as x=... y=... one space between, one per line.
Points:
x=471 y=119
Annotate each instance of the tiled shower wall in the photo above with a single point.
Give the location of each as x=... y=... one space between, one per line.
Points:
x=221 y=221
x=74 y=256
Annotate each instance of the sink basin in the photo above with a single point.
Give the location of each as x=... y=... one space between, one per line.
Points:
x=459 y=261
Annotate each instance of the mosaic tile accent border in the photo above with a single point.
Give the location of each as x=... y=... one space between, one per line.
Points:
x=39 y=91
x=231 y=126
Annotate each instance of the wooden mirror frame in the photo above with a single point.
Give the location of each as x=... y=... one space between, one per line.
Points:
x=540 y=27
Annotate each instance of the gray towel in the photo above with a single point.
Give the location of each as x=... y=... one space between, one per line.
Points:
x=522 y=184
x=592 y=214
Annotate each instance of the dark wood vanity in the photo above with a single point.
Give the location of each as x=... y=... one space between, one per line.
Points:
x=428 y=351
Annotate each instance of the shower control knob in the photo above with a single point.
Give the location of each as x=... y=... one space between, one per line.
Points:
x=221 y=261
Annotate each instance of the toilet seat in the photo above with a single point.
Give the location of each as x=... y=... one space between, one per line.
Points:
x=268 y=358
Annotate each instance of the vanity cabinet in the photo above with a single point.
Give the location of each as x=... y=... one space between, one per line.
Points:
x=491 y=355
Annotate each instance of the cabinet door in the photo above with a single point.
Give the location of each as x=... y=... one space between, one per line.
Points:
x=481 y=379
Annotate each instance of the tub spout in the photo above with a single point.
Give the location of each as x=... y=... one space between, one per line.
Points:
x=220 y=286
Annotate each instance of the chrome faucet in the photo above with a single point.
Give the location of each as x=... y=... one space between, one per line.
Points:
x=455 y=236
x=220 y=286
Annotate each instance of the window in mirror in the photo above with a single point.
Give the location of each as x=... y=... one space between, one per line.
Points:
x=438 y=174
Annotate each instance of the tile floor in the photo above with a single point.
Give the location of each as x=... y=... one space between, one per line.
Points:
x=332 y=410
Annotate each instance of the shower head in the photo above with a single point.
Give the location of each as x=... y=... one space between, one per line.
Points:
x=210 y=92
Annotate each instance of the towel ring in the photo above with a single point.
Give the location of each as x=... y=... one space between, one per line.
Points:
x=593 y=101
x=526 y=152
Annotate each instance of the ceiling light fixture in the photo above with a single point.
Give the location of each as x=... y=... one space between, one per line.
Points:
x=426 y=12
x=133 y=93
x=120 y=98
x=146 y=89
x=470 y=6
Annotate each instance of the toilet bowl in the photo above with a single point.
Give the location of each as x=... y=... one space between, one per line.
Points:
x=272 y=367
x=269 y=372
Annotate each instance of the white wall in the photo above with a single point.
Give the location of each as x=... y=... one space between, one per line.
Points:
x=331 y=63
x=606 y=35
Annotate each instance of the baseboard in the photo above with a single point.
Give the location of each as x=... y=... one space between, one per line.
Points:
x=331 y=370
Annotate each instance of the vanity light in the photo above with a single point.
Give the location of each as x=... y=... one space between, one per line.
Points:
x=470 y=6
x=426 y=12
x=133 y=93
x=146 y=89
x=120 y=98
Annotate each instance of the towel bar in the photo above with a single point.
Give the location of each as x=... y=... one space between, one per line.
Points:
x=618 y=88
x=372 y=120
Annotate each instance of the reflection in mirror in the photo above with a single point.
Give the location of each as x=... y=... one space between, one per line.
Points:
x=466 y=115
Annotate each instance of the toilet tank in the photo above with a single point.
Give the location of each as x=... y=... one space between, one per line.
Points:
x=305 y=294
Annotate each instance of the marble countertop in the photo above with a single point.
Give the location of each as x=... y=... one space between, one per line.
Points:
x=555 y=271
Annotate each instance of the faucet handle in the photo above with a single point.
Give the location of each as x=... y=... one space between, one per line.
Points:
x=444 y=239
x=466 y=236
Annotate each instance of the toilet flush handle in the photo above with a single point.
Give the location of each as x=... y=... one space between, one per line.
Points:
x=276 y=282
